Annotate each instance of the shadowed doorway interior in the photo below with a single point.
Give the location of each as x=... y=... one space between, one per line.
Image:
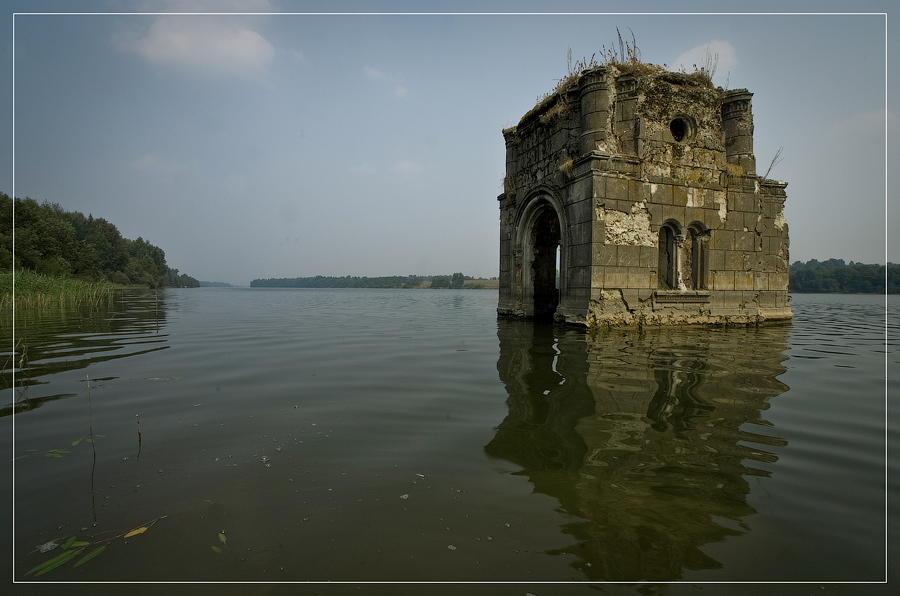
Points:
x=545 y=275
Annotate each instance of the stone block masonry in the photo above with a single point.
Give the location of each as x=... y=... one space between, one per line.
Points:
x=632 y=199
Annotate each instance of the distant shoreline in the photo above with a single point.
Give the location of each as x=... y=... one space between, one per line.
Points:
x=410 y=282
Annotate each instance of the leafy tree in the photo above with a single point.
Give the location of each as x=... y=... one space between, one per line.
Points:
x=440 y=281
x=836 y=276
x=53 y=241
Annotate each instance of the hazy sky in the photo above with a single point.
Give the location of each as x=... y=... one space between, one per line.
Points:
x=286 y=145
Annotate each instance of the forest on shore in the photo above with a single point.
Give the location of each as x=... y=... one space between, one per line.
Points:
x=55 y=242
x=67 y=244
x=454 y=281
x=834 y=276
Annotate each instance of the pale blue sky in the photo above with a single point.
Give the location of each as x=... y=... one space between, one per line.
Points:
x=286 y=145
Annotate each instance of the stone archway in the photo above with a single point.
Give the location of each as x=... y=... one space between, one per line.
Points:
x=534 y=260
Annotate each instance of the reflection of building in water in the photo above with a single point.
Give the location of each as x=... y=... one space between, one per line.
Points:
x=644 y=436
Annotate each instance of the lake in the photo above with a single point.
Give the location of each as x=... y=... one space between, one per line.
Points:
x=292 y=435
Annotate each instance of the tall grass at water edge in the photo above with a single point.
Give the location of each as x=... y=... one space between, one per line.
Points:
x=36 y=291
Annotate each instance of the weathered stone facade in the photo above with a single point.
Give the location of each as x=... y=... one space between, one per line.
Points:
x=631 y=198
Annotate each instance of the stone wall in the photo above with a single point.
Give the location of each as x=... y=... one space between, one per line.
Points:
x=663 y=220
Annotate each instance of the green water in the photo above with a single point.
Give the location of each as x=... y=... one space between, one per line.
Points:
x=410 y=436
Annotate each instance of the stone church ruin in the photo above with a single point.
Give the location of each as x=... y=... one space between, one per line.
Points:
x=631 y=198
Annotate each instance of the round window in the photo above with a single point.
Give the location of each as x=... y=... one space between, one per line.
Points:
x=681 y=129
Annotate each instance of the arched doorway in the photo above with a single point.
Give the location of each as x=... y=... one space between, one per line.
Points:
x=545 y=237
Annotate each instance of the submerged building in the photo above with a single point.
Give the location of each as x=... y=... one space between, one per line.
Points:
x=631 y=198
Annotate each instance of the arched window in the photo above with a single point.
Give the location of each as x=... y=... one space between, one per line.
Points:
x=698 y=236
x=668 y=273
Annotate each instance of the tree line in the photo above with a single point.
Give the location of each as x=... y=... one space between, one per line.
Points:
x=56 y=242
x=321 y=281
x=836 y=276
x=454 y=282
x=398 y=282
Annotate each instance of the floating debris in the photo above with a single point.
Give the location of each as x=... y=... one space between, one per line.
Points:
x=47 y=546
x=404 y=497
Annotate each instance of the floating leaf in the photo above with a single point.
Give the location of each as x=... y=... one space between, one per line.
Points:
x=68 y=542
x=217 y=549
x=136 y=531
x=222 y=537
x=75 y=442
x=52 y=455
x=80 y=544
x=53 y=563
x=90 y=555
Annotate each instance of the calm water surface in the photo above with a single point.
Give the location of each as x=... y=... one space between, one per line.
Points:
x=379 y=435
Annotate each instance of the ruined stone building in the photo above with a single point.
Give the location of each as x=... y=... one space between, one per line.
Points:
x=632 y=198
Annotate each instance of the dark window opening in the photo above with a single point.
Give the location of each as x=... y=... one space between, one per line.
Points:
x=680 y=129
x=544 y=267
x=699 y=266
x=666 y=272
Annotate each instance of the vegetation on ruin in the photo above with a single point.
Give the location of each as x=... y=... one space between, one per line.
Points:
x=837 y=277
x=567 y=166
x=775 y=161
x=625 y=59
x=64 y=254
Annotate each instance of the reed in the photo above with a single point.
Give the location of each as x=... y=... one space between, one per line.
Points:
x=36 y=291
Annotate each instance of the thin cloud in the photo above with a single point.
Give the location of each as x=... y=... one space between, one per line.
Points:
x=721 y=51
x=873 y=120
x=217 y=6
x=364 y=169
x=863 y=123
x=406 y=167
x=379 y=75
x=211 y=46
x=152 y=163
